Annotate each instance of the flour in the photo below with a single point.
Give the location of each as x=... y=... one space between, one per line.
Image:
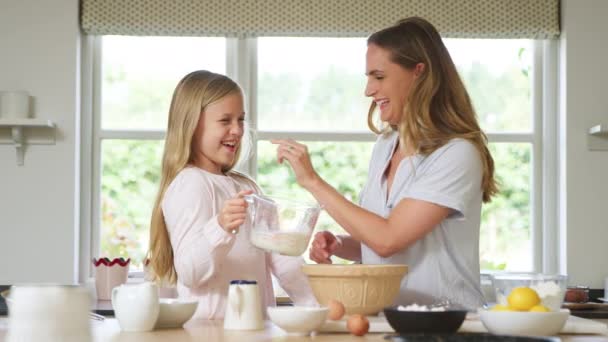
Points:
x=416 y=307
x=550 y=294
x=286 y=243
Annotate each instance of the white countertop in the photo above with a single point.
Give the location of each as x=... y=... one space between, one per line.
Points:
x=109 y=330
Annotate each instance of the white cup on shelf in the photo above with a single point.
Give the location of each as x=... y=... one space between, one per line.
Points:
x=14 y=104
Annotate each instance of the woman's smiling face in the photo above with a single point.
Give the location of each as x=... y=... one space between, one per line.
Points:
x=388 y=83
x=219 y=132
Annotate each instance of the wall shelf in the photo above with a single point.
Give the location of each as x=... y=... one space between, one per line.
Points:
x=599 y=130
x=597 y=138
x=13 y=132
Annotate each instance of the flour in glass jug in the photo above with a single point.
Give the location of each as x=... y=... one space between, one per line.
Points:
x=285 y=243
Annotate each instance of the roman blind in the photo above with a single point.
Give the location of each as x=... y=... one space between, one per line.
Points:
x=532 y=19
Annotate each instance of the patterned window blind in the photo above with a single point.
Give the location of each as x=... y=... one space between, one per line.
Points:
x=532 y=19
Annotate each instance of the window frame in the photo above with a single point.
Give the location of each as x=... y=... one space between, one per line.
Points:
x=241 y=65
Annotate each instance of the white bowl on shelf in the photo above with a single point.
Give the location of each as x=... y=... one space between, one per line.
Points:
x=524 y=322
x=175 y=312
x=300 y=320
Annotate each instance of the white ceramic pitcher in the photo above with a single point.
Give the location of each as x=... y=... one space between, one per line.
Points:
x=244 y=308
x=136 y=307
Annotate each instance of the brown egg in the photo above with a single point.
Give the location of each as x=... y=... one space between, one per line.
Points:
x=358 y=325
x=336 y=309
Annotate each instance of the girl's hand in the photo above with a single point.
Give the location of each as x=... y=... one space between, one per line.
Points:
x=299 y=160
x=323 y=247
x=234 y=212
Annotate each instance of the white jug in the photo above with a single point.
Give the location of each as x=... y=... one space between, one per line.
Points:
x=136 y=307
x=244 y=308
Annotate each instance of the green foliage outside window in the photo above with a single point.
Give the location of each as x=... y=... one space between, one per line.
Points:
x=131 y=174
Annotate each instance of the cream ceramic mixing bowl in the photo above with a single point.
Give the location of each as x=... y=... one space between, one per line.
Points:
x=363 y=289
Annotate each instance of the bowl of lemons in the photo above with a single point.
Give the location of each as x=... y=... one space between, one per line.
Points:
x=514 y=290
x=522 y=311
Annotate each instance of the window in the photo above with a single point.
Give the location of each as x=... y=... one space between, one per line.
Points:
x=138 y=75
x=309 y=89
x=497 y=74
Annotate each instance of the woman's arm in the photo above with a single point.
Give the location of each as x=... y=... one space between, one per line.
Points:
x=409 y=220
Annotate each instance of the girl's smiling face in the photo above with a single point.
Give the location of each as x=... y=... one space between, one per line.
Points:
x=219 y=132
x=388 y=83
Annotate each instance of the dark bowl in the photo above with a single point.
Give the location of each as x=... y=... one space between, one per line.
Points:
x=431 y=322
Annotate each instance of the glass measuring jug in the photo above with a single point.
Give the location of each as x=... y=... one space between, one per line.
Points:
x=281 y=225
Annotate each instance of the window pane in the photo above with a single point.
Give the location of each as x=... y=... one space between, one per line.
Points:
x=140 y=73
x=312 y=84
x=344 y=165
x=129 y=182
x=506 y=240
x=497 y=76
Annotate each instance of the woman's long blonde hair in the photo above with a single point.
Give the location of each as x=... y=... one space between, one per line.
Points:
x=438 y=107
x=191 y=96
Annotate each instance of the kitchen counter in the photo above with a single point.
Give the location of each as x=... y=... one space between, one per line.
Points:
x=108 y=330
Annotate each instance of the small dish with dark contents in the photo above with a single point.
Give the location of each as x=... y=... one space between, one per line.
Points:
x=414 y=319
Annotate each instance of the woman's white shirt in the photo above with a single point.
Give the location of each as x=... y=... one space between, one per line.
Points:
x=444 y=264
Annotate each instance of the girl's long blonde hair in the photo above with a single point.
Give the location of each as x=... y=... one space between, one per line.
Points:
x=438 y=107
x=191 y=96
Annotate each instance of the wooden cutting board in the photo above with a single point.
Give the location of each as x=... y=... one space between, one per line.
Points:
x=379 y=324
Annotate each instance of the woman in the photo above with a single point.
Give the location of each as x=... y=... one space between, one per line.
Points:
x=429 y=172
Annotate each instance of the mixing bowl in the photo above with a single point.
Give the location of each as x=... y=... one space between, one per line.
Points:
x=425 y=322
x=363 y=289
x=281 y=225
x=175 y=312
x=523 y=322
x=298 y=319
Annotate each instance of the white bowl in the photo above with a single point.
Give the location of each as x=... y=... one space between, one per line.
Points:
x=300 y=320
x=524 y=322
x=174 y=312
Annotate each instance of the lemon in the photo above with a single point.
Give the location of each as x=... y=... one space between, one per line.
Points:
x=523 y=298
x=539 y=308
x=499 y=307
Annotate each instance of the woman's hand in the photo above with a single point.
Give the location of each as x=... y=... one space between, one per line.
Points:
x=323 y=247
x=299 y=159
x=234 y=212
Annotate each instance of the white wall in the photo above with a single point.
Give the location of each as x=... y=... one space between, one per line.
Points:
x=584 y=54
x=39 y=53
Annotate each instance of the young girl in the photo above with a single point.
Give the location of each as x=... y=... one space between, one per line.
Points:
x=199 y=236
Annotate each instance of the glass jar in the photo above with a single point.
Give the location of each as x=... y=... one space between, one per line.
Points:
x=577 y=294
